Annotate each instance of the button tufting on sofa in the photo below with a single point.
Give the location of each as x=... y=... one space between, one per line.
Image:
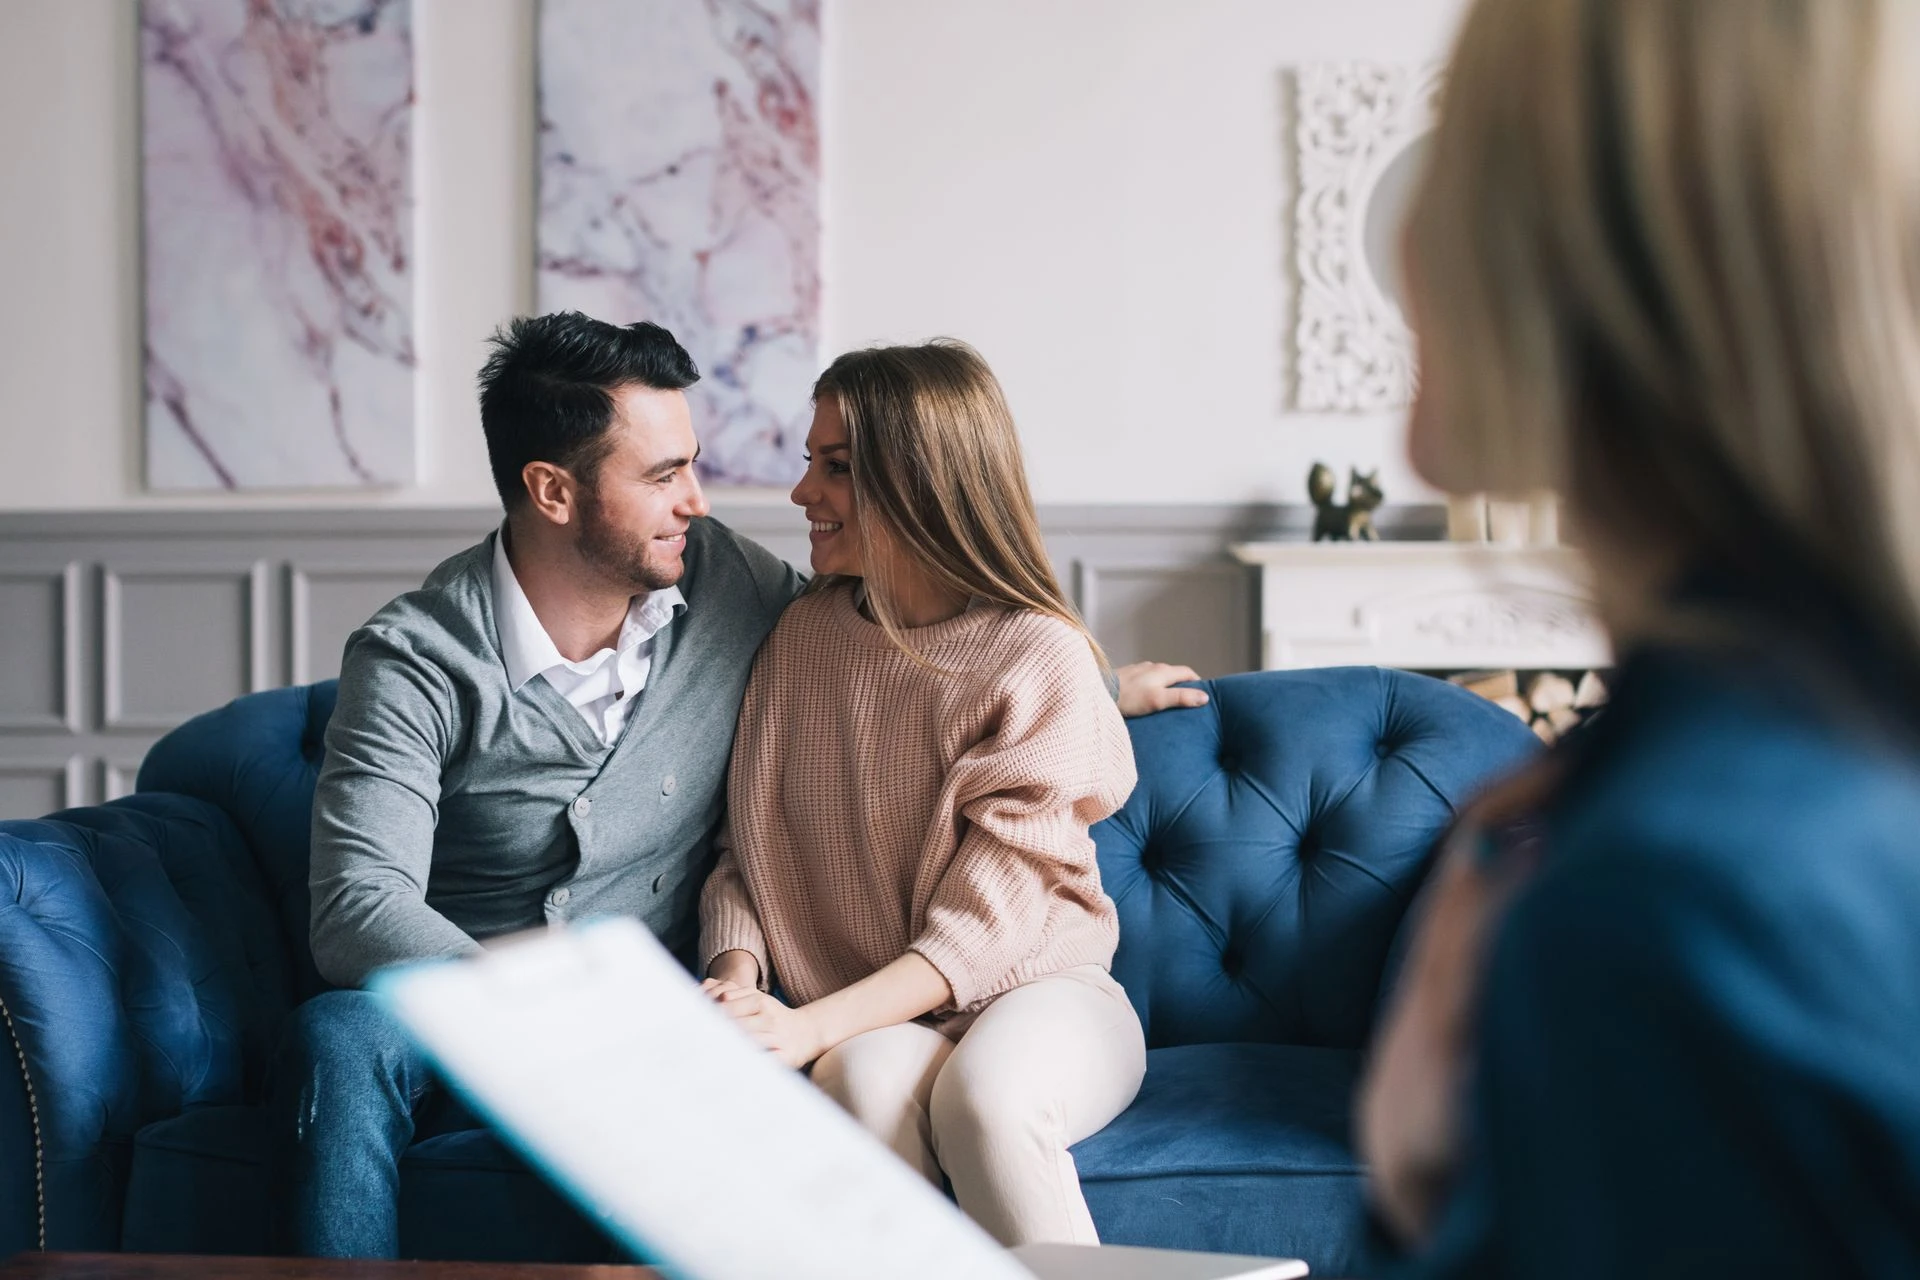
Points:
x=1256 y=983
x=179 y=948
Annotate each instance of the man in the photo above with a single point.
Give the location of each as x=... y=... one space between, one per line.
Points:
x=540 y=733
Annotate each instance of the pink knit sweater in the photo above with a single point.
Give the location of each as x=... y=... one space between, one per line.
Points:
x=877 y=807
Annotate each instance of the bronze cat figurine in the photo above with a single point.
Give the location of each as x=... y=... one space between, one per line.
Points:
x=1353 y=521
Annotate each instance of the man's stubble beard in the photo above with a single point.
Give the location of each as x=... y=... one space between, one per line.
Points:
x=622 y=558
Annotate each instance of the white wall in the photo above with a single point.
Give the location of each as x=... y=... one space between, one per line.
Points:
x=1091 y=191
x=70 y=393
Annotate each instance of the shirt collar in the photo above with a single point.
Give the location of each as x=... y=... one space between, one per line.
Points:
x=526 y=648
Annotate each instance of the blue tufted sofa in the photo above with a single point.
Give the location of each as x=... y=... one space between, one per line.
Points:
x=150 y=949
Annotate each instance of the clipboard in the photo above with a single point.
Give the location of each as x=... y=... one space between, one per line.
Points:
x=595 y=1055
x=599 y=1060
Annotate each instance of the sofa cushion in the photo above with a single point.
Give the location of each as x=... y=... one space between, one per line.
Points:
x=1320 y=1219
x=199 y=1185
x=1264 y=861
x=1240 y=1148
x=1232 y=1108
x=465 y=1195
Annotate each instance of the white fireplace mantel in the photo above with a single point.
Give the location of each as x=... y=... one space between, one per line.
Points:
x=1425 y=606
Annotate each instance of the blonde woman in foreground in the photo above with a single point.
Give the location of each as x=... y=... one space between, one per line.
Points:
x=1663 y=1017
x=926 y=738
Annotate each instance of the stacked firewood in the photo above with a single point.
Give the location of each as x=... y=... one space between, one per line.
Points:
x=1549 y=702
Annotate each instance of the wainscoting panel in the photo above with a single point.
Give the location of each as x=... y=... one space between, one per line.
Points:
x=40 y=658
x=177 y=641
x=117 y=626
x=328 y=603
x=117 y=776
x=29 y=788
x=1198 y=615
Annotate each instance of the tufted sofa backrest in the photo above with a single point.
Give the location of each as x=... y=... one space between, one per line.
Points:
x=257 y=759
x=1276 y=837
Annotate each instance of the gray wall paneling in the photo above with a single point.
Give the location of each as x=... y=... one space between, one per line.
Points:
x=116 y=626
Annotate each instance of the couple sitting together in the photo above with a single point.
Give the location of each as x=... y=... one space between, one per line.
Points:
x=858 y=806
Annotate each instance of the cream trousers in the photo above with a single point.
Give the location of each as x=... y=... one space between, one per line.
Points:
x=1043 y=1066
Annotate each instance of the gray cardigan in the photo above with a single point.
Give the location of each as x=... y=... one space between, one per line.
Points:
x=451 y=809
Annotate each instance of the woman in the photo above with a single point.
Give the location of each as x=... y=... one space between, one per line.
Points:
x=1663 y=1017
x=926 y=738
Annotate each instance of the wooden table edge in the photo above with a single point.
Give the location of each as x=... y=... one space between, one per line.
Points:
x=178 y=1266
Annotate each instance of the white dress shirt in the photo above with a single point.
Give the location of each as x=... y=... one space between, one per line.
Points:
x=601 y=687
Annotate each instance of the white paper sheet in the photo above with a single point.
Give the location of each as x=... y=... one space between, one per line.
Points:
x=598 y=1057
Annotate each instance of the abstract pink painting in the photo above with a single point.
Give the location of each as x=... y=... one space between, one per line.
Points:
x=680 y=183
x=278 y=208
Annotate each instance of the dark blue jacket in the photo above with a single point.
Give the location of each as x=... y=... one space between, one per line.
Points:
x=1699 y=1047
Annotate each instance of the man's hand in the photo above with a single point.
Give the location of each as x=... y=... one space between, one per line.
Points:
x=1147 y=687
x=788 y=1034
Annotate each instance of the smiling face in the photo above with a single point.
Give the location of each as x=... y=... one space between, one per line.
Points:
x=635 y=512
x=825 y=493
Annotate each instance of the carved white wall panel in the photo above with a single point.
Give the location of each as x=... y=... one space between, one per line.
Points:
x=1357 y=129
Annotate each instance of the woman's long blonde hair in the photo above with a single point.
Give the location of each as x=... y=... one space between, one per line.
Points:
x=938 y=477
x=1665 y=258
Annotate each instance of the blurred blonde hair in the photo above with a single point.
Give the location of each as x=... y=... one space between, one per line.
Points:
x=1665 y=259
x=938 y=477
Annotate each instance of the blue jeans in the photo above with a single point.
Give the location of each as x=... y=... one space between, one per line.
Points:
x=350 y=1094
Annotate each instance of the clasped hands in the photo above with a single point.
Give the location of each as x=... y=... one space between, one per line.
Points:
x=789 y=1034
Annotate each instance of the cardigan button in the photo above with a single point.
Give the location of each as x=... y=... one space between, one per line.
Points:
x=582 y=807
x=667 y=785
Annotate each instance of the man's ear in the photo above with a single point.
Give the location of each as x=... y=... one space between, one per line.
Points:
x=552 y=490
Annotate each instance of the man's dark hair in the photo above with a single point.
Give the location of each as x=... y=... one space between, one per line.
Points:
x=546 y=391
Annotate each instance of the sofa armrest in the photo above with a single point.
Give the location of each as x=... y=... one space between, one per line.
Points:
x=1403 y=937
x=256 y=760
x=126 y=998
x=23 y=1223
x=67 y=1076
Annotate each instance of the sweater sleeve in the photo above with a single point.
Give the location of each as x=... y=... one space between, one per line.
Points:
x=375 y=809
x=1059 y=762
x=728 y=921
